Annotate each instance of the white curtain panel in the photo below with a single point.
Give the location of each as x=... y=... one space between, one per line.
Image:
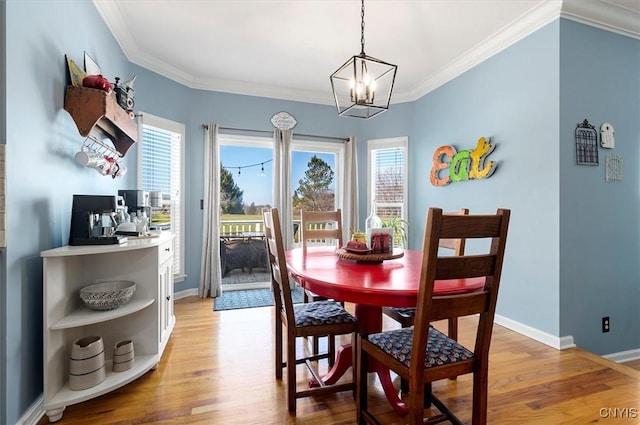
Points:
x=210 y=273
x=350 y=212
x=282 y=183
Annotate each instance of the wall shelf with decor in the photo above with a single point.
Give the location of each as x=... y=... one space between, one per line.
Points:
x=96 y=111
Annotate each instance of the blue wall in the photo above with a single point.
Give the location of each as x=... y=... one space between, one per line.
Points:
x=599 y=243
x=570 y=231
x=512 y=98
x=41 y=173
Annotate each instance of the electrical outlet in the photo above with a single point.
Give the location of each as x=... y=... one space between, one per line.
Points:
x=605 y=324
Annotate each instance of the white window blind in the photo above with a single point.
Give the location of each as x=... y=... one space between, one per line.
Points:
x=389 y=175
x=162 y=170
x=387 y=180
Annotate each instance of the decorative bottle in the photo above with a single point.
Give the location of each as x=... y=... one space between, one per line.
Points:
x=372 y=222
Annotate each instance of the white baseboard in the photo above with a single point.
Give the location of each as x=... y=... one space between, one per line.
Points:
x=34 y=414
x=191 y=292
x=559 y=343
x=624 y=356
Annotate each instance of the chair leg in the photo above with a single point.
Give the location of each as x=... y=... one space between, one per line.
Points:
x=331 y=348
x=354 y=363
x=415 y=403
x=278 y=332
x=480 y=388
x=453 y=334
x=404 y=385
x=291 y=374
x=453 y=328
x=315 y=342
x=362 y=383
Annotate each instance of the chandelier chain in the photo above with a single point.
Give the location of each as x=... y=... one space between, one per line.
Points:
x=362 y=29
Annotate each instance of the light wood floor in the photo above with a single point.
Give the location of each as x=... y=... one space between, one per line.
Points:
x=218 y=369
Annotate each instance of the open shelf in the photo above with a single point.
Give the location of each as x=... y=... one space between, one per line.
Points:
x=96 y=111
x=85 y=316
x=113 y=380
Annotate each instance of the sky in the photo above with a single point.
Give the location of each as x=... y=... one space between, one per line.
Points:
x=257 y=189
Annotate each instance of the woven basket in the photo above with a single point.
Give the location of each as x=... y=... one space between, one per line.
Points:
x=107 y=295
x=369 y=258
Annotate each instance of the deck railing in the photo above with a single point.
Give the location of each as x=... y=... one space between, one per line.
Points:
x=238 y=227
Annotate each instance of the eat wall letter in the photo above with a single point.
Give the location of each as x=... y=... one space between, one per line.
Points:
x=463 y=165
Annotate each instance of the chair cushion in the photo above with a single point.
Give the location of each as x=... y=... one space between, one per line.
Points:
x=440 y=348
x=405 y=312
x=321 y=313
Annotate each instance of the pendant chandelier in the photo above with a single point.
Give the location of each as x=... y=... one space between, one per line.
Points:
x=362 y=86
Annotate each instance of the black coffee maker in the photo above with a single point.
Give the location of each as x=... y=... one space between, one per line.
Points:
x=93 y=221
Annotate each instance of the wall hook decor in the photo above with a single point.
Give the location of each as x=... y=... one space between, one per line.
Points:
x=613 y=171
x=607 y=136
x=586 y=144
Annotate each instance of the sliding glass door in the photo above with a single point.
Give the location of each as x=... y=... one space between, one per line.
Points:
x=316 y=179
x=246 y=188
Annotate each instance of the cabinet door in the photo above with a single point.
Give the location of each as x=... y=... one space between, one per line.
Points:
x=166 y=300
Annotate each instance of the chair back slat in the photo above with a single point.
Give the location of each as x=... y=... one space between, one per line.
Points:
x=320 y=227
x=461 y=226
x=459 y=305
x=457 y=245
x=460 y=267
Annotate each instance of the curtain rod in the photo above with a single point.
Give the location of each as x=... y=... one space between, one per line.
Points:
x=343 y=139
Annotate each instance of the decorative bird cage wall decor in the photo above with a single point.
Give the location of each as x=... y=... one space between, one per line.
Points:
x=586 y=144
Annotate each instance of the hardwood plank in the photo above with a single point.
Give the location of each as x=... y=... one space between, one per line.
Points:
x=218 y=369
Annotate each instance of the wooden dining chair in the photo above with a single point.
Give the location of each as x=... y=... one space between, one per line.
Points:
x=315 y=319
x=320 y=228
x=405 y=315
x=421 y=354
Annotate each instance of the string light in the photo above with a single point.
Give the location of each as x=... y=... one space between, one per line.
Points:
x=239 y=168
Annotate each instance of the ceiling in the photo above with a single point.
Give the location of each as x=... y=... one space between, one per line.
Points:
x=286 y=49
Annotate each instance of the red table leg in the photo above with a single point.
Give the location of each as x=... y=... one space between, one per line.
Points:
x=344 y=359
x=370 y=320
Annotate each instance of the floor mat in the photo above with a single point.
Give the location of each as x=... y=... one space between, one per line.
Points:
x=230 y=300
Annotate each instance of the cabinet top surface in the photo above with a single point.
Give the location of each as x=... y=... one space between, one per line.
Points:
x=131 y=244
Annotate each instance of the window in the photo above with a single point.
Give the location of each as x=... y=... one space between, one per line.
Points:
x=329 y=155
x=387 y=180
x=246 y=183
x=247 y=162
x=161 y=168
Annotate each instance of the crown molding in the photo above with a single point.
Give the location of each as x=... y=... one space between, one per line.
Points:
x=505 y=37
x=610 y=15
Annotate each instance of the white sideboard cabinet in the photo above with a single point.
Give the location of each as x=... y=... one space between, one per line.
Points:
x=147 y=319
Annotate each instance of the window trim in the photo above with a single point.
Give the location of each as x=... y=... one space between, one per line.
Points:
x=179 y=128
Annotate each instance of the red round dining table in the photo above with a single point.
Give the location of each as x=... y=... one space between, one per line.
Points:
x=370 y=286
